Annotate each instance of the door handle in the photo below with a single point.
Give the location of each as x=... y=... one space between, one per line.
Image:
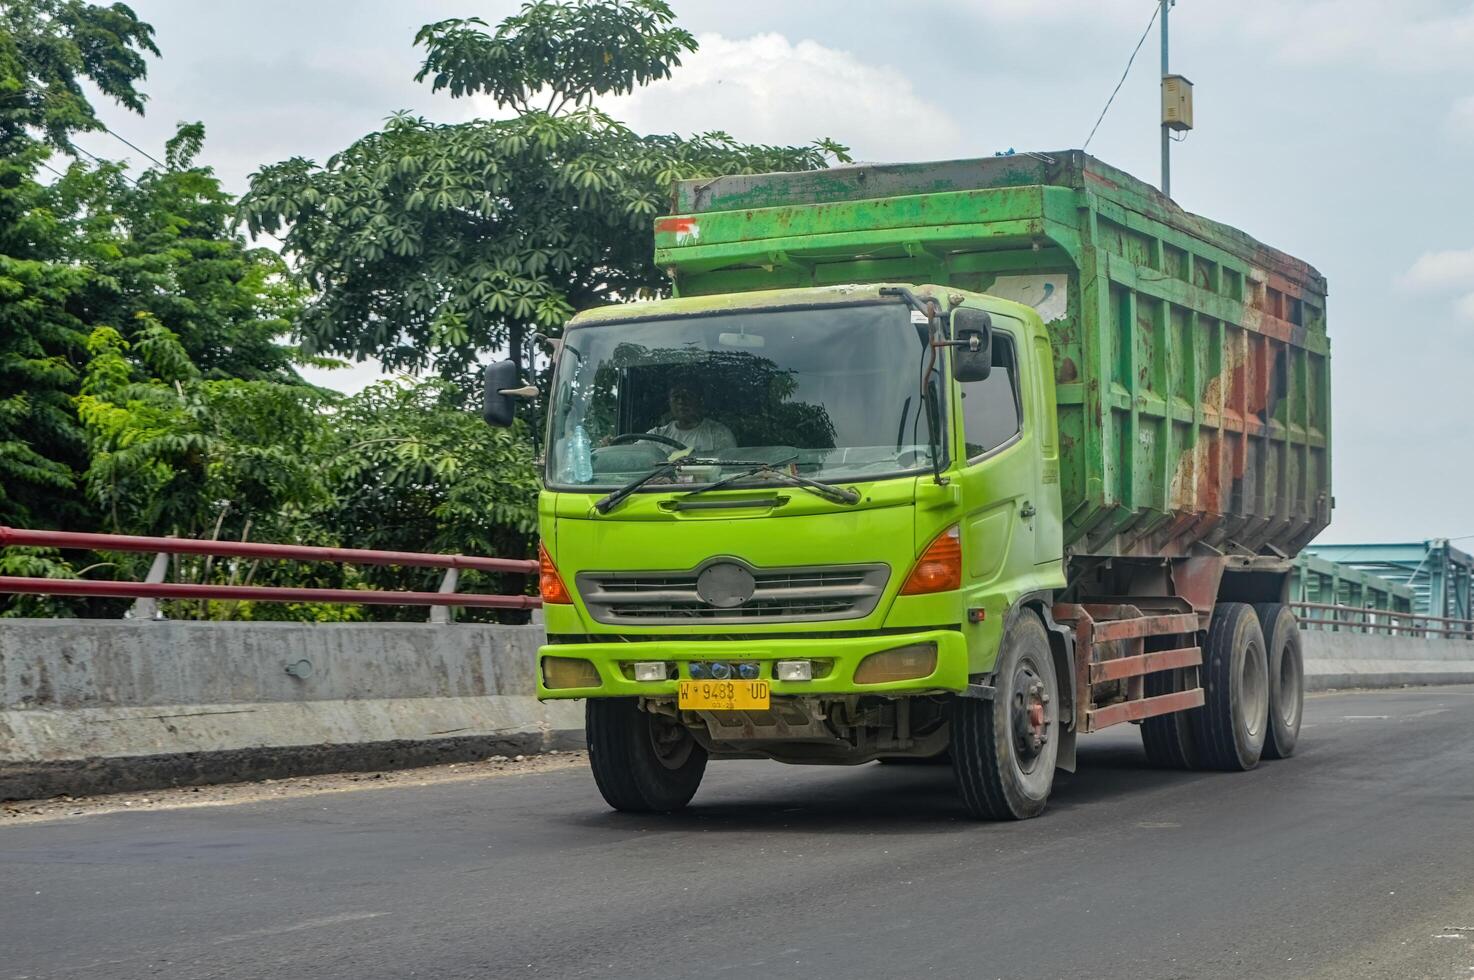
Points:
x=1027 y=511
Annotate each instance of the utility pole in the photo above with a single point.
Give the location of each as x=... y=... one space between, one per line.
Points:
x=1177 y=105
x=1166 y=132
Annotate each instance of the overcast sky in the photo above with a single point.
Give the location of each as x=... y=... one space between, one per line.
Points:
x=1341 y=131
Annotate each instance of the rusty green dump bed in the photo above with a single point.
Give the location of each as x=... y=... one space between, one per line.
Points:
x=1192 y=364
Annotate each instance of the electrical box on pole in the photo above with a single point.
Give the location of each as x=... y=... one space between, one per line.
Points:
x=1177 y=102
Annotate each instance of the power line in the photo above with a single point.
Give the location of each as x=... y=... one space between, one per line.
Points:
x=101 y=162
x=105 y=128
x=1129 y=61
x=135 y=146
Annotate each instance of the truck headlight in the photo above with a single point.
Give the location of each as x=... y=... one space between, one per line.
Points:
x=560 y=673
x=901 y=664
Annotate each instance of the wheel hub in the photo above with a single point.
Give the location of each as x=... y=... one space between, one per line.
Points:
x=1029 y=715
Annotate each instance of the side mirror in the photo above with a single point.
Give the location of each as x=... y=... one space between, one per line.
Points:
x=972 y=344
x=502 y=389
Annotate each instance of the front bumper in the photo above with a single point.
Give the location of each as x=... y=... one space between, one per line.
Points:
x=842 y=655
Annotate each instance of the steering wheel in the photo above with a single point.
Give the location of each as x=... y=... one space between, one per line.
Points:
x=628 y=437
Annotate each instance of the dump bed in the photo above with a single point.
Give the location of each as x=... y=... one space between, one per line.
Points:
x=1192 y=364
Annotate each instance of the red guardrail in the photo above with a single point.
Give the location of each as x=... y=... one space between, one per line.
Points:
x=246 y=549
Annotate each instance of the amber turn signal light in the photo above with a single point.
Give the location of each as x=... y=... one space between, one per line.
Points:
x=549 y=582
x=939 y=569
x=562 y=673
x=900 y=664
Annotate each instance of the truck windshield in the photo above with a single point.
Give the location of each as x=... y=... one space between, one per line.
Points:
x=828 y=393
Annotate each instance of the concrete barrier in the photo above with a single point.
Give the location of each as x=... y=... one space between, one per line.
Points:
x=1345 y=660
x=92 y=706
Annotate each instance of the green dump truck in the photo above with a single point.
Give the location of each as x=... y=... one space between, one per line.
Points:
x=949 y=461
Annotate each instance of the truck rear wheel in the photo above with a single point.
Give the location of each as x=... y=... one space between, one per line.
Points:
x=1168 y=739
x=642 y=762
x=1286 y=678
x=1004 y=750
x=1230 y=729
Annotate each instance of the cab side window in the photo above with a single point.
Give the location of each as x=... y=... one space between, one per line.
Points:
x=990 y=408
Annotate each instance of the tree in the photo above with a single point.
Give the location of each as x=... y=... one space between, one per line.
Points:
x=407 y=468
x=173 y=452
x=48 y=48
x=426 y=244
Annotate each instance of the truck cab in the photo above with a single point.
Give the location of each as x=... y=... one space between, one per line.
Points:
x=814 y=581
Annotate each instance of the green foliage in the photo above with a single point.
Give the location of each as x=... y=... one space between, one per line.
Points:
x=142 y=386
x=411 y=470
x=36 y=563
x=172 y=452
x=401 y=466
x=568 y=52
x=48 y=48
x=426 y=244
x=152 y=267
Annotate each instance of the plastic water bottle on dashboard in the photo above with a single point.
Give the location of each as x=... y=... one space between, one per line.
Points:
x=583 y=460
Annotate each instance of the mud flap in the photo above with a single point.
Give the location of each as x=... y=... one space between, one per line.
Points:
x=1066 y=758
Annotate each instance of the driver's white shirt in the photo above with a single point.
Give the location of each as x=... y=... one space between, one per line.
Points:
x=706 y=436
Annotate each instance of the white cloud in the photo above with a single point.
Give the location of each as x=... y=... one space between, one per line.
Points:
x=1056 y=10
x=1465 y=307
x=767 y=89
x=1411 y=35
x=1451 y=269
x=1441 y=270
x=1460 y=121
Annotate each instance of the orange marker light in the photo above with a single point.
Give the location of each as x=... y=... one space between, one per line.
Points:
x=549 y=582
x=939 y=569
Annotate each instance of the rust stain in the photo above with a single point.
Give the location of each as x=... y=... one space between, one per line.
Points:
x=1237 y=404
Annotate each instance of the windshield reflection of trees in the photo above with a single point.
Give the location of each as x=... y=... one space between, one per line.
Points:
x=750 y=395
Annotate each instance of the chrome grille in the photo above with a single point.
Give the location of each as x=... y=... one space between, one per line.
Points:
x=780 y=595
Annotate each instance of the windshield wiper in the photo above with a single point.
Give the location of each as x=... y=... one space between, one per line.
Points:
x=611 y=500
x=828 y=491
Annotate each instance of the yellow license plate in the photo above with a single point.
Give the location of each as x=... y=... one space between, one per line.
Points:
x=724 y=695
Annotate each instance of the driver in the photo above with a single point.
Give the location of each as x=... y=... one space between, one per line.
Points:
x=690 y=427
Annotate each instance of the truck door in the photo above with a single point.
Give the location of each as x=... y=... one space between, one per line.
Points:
x=999 y=473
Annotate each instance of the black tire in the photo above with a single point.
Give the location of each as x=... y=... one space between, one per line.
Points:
x=1003 y=772
x=1230 y=729
x=642 y=762
x=1168 y=739
x=1286 y=678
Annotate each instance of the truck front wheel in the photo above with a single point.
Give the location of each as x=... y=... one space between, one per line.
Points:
x=642 y=762
x=1004 y=750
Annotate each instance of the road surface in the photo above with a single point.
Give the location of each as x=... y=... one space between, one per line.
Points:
x=1355 y=859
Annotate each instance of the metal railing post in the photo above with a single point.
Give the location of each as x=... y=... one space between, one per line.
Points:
x=445 y=615
x=149 y=608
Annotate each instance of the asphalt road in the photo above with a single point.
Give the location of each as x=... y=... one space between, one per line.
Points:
x=1355 y=859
